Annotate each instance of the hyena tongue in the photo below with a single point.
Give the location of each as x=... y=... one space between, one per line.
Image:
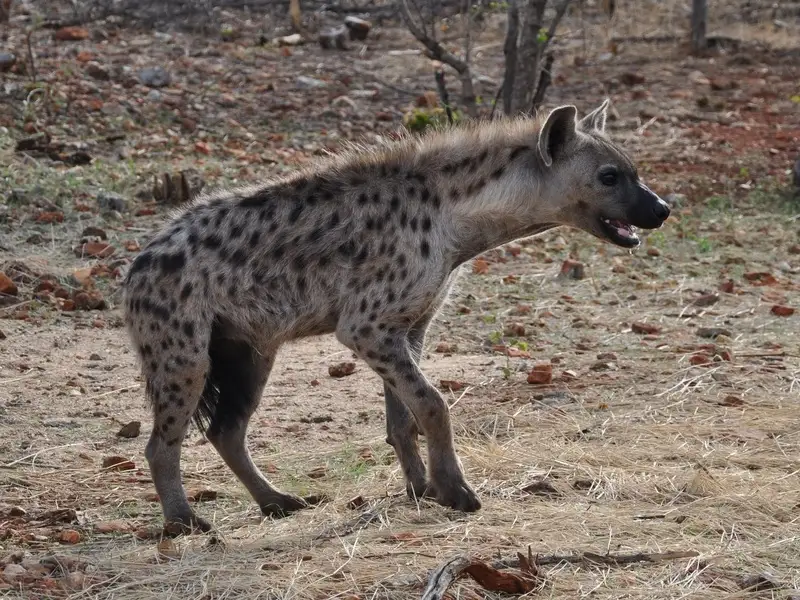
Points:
x=623 y=229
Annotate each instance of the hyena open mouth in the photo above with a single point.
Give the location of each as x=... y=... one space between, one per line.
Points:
x=619 y=232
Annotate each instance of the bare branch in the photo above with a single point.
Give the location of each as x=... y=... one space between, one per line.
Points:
x=545 y=79
x=561 y=10
x=434 y=49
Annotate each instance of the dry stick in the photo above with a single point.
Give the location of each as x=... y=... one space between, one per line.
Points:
x=592 y=558
x=545 y=79
x=30 y=55
x=440 y=85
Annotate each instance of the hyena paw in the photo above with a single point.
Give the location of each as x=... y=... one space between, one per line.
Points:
x=185 y=526
x=283 y=505
x=457 y=494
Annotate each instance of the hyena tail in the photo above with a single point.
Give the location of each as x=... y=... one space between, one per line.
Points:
x=233 y=386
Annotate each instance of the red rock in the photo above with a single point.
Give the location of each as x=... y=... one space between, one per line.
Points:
x=645 y=328
x=118 y=463
x=342 y=369
x=50 y=217
x=782 y=311
x=95 y=250
x=7 y=286
x=71 y=34
x=541 y=374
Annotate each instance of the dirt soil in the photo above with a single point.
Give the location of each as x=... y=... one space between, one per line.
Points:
x=669 y=423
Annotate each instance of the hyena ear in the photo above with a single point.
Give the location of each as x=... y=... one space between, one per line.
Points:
x=596 y=120
x=558 y=130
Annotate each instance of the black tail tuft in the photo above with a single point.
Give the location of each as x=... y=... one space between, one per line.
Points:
x=232 y=387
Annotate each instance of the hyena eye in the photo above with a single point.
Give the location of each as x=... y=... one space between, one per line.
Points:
x=609 y=176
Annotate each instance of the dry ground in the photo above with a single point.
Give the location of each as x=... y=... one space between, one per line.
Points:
x=652 y=436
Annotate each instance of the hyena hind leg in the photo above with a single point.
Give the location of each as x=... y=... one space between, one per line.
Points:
x=175 y=398
x=232 y=394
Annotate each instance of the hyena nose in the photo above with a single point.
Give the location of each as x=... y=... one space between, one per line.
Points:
x=661 y=210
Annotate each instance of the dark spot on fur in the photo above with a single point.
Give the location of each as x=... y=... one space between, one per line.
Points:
x=212 y=241
x=297 y=210
x=426 y=224
x=239 y=257
x=236 y=231
x=362 y=198
x=254 y=238
x=186 y=291
x=516 y=152
x=394 y=204
x=425 y=249
x=498 y=172
x=363 y=305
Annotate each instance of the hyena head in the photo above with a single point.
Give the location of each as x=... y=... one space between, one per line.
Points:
x=591 y=182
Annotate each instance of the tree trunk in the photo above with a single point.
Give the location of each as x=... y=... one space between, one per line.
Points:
x=5 y=11
x=528 y=55
x=699 y=21
x=510 y=52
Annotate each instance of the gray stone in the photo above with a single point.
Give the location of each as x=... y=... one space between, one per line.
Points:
x=111 y=201
x=155 y=77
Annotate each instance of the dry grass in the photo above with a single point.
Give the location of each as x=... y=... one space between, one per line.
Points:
x=642 y=452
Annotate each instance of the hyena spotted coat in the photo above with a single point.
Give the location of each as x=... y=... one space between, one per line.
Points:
x=365 y=246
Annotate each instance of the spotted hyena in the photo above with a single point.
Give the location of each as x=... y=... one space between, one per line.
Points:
x=365 y=246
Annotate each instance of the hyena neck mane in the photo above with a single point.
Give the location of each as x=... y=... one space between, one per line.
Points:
x=482 y=181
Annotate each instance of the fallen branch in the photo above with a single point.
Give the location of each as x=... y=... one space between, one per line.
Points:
x=526 y=580
x=591 y=558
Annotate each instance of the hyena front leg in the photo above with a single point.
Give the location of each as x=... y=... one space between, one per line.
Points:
x=386 y=350
x=401 y=427
x=175 y=392
x=239 y=373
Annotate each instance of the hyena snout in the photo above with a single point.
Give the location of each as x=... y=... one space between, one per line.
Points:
x=648 y=211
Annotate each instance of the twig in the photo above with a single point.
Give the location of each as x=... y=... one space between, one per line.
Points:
x=440 y=85
x=592 y=558
x=496 y=99
x=30 y=54
x=357 y=524
x=545 y=79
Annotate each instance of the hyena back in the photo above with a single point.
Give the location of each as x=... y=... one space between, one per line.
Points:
x=365 y=246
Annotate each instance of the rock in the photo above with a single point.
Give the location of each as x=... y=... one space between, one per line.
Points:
x=7 y=286
x=760 y=582
x=93 y=232
x=88 y=301
x=712 y=332
x=71 y=34
x=782 y=311
x=541 y=374
x=653 y=251
x=154 y=96
x=342 y=369
x=112 y=527
x=13 y=572
x=177 y=188
x=358 y=28
x=111 y=201
x=95 y=357
x=130 y=430
x=7 y=60
x=572 y=269
x=698 y=78
x=305 y=83
x=445 y=348
x=630 y=78
x=719 y=84
x=155 y=77
x=675 y=200
x=451 y=385
x=94 y=250
x=118 y=463
x=645 y=328
x=96 y=71
x=333 y=38
x=69 y=536
x=705 y=300
x=514 y=330
x=289 y=40
x=541 y=488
